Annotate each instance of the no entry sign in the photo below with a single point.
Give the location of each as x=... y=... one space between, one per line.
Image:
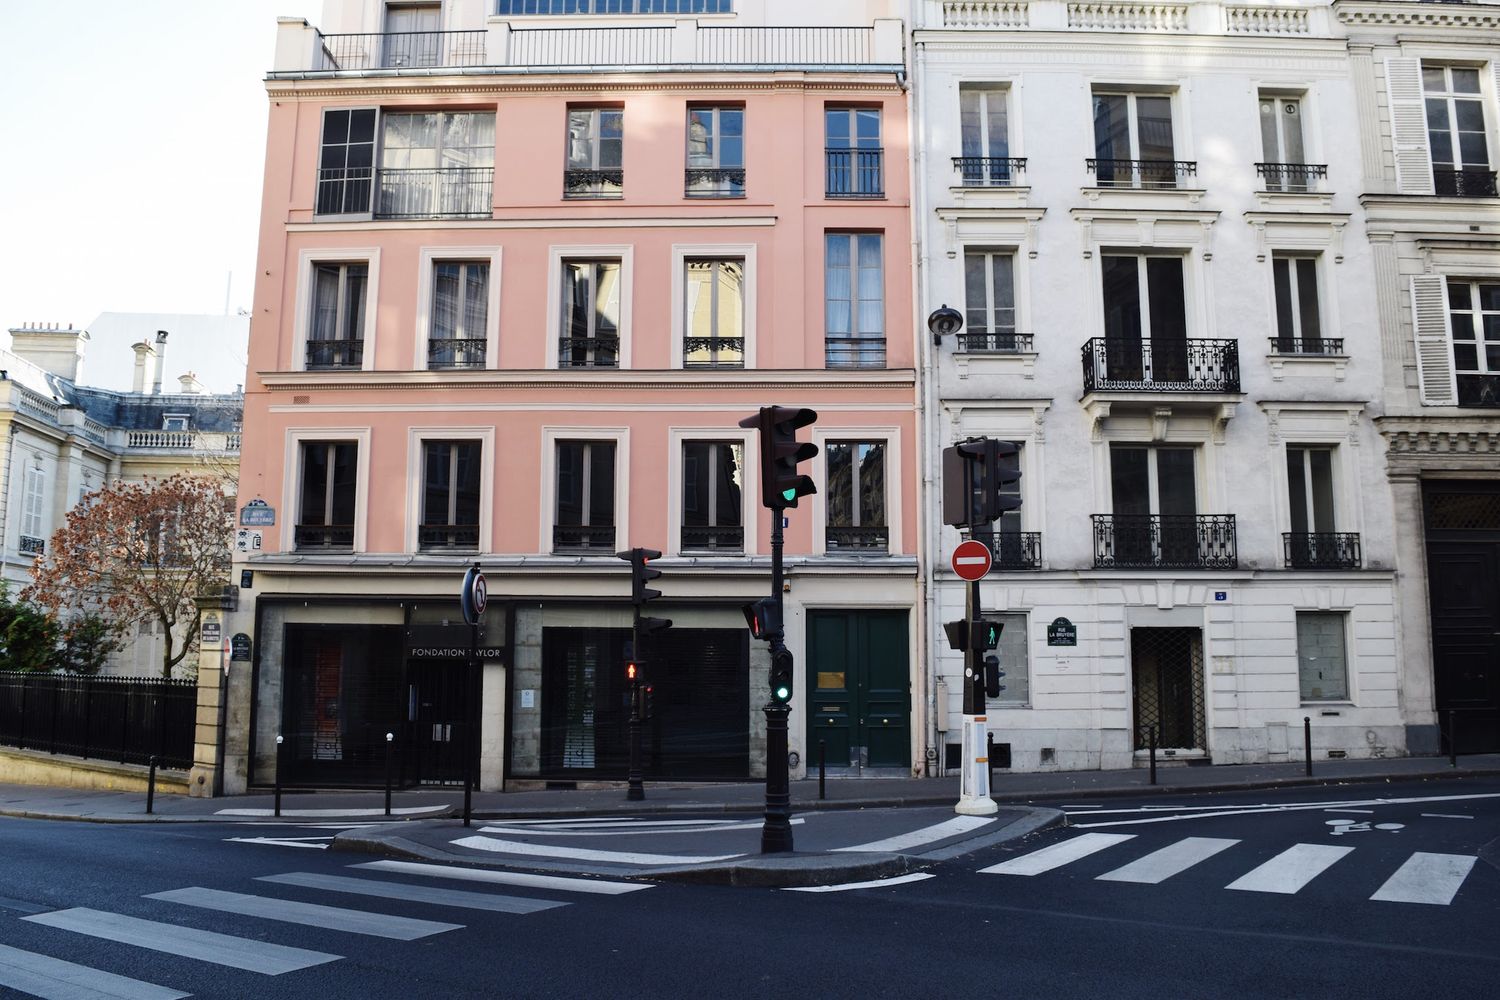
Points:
x=972 y=560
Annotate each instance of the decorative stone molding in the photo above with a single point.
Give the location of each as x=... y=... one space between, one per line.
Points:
x=1017 y=227
x=1426 y=15
x=1145 y=227
x=985 y=13
x=1485 y=443
x=1128 y=16
x=1323 y=232
x=1266 y=21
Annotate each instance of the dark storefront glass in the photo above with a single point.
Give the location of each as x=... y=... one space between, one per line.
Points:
x=341 y=694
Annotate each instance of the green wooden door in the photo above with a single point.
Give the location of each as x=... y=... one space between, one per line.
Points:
x=859 y=689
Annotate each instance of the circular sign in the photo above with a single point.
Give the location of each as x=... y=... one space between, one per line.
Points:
x=972 y=560
x=473 y=596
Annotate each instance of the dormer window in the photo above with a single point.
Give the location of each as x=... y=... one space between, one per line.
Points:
x=175 y=422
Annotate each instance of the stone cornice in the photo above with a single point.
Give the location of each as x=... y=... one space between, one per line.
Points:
x=469 y=86
x=584 y=380
x=1422 y=15
x=1468 y=443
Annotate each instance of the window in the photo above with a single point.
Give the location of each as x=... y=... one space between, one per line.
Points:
x=856 y=497
x=450 y=495
x=1455 y=131
x=585 y=516
x=1133 y=141
x=714 y=314
x=1298 y=329
x=1322 y=663
x=175 y=421
x=1145 y=319
x=591 y=314
x=1285 y=167
x=712 y=508
x=984 y=138
x=520 y=7
x=1014 y=659
x=346 y=162
x=853 y=153
x=460 y=314
x=716 y=152
x=33 y=531
x=411 y=35
x=436 y=165
x=1474 y=318
x=854 y=300
x=990 y=303
x=596 y=138
x=1155 y=522
x=1315 y=541
x=325 y=512
x=337 y=325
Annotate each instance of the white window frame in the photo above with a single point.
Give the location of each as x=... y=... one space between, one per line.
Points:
x=302 y=316
x=989 y=91
x=1008 y=664
x=33 y=503
x=681 y=254
x=551 y=437
x=894 y=478
x=291 y=490
x=1477 y=324
x=417 y=438
x=1318 y=425
x=428 y=259
x=1306 y=447
x=1485 y=98
x=749 y=484
x=1192 y=308
x=1350 y=674
x=1171 y=91
x=1291 y=257
x=1153 y=481
x=989 y=252
x=1278 y=97
x=556 y=256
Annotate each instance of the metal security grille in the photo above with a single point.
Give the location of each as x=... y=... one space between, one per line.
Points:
x=1167 y=668
x=1463 y=511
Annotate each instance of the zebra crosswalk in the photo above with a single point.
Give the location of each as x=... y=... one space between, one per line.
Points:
x=39 y=974
x=1424 y=877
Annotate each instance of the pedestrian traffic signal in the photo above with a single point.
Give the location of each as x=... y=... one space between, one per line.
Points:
x=632 y=670
x=980 y=478
x=781 y=676
x=992 y=675
x=764 y=618
x=647 y=627
x=641 y=573
x=780 y=452
x=648 y=701
x=979 y=636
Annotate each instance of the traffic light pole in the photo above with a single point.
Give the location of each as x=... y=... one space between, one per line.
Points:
x=974 y=776
x=776 y=832
x=636 y=790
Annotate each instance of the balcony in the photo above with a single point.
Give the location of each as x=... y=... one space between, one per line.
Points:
x=448 y=537
x=1016 y=550
x=447 y=352
x=1478 y=390
x=713 y=538
x=869 y=538
x=989 y=171
x=1145 y=175
x=399 y=50
x=713 y=352
x=608 y=183
x=995 y=342
x=1292 y=178
x=30 y=546
x=325 y=355
x=1467 y=183
x=1308 y=346
x=1161 y=365
x=865 y=352
x=855 y=173
x=1321 y=550
x=714 y=182
x=1164 y=541
x=588 y=352
x=332 y=537
x=582 y=538
x=435 y=193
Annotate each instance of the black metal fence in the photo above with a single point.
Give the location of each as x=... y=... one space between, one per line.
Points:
x=990 y=171
x=401 y=50
x=1178 y=541
x=855 y=173
x=1140 y=173
x=123 y=719
x=1162 y=364
x=1321 y=549
x=1292 y=176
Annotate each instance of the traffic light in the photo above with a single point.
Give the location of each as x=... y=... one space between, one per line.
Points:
x=1007 y=476
x=992 y=675
x=641 y=573
x=648 y=701
x=764 y=618
x=781 y=676
x=979 y=481
x=780 y=452
x=979 y=636
x=632 y=670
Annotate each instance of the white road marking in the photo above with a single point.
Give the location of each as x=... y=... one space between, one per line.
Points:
x=1288 y=872
x=1445 y=816
x=294 y=813
x=413 y=893
x=874 y=884
x=310 y=914
x=1057 y=855
x=54 y=979
x=282 y=841
x=927 y=835
x=1158 y=866
x=1367 y=812
x=1196 y=812
x=185 y=942
x=582 y=854
x=561 y=883
x=636 y=829
x=1427 y=878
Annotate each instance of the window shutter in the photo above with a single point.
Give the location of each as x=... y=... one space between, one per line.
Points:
x=1429 y=310
x=1403 y=87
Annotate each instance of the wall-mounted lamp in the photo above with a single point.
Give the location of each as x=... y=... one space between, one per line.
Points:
x=943 y=322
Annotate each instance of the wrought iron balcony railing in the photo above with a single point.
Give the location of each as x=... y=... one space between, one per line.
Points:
x=1015 y=550
x=344 y=190
x=583 y=538
x=1478 y=390
x=855 y=173
x=1321 y=549
x=712 y=538
x=1307 y=345
x=867 y=538
x=401 y=50
x=990 y=171
x=1169 y=541
x=713 y=352
x=327 y=354
x=1147 y=174
x=714 y=182
x=323 y=536
x=594 y=183
x=435 y=193
x=995 y=342
x=864 y=352
x=1161 y=365
x=30 y=546
x=588 y=352
x=448 y=352
x=1466 y=183
x=437 y=537
x=1292 y=177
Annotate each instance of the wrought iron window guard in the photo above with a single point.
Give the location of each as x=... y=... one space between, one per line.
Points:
x=594 y=183
x=1466 y=183
x=1307 y=345
x=722 y=352
x=323 y=536
x=583 y=538
x=989 y=171
x=325 y=354
x=1478 y=390
x=447 y=352
x=435 y=193
x=401 y=50
x=1014 y=550
x=448 y=536
x=713 y=538
x=30 y=546
x=588 y=352
x=1159 y=174
x=1171 y=541
x=995 y=342
x=855 y=173
x=1292 y=177
x=1321 y=549
x=865 y=352
x=714 y=182
x=1161 y=365
x=866 y=538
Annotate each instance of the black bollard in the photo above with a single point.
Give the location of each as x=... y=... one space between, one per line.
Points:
x=278 y=773
x=822 y=769
x=1153 y=755
x=389 y=744
x=1307 y=743
x=1452 y=738
x=989 y=758
x=151 y=785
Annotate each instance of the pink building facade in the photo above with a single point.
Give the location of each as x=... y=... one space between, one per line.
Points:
x=520 y=277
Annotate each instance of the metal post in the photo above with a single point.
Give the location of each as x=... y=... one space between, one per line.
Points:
x=390 y=742
x=470 y=743
x=635 y=790
x=1307 y=743
x=1452 y=738
x=1153 y=755
x=151 y=785
x=776 y=831
x=974 y=783
x=822 y=770
x=279 y=756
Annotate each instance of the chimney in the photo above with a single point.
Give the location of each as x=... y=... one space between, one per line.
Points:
x=190 y=384
x=161 y=361
x=145 y=359
x=51 y=347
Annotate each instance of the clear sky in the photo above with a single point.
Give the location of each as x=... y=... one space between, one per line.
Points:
x=134 y=139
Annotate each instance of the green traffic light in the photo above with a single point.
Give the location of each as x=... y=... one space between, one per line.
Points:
x=790 y=494
x=782 y=694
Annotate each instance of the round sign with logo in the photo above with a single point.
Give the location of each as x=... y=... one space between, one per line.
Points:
x=972 y=560
x=474 y=595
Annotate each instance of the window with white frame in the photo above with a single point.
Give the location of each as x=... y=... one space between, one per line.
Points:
x=336 y=326
x=854 y=157
x=34 y=497
x=1456 y=138
x=412 y=36
x=584 y=516
x=1474 y=324
x=713 y=496
x=1133 y=141
x=856 y=497
x=346 y=161
x=1155 y=519
x=714 y=313
x=984 y=137
x=1315 y=541
x=451 y=488
x=1145 y=320
x=1285 y=167
x=854 y=300
x=715 y=151
x=1322 y=656
x=596 y=150
x=590 y=314
x=436 y=164
x=327 y=495
x=1299 y=327
x=460 y=314
x=1014 y=659
x=990 y=303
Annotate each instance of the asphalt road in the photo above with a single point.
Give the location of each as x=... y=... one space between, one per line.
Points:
x=83 y=894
